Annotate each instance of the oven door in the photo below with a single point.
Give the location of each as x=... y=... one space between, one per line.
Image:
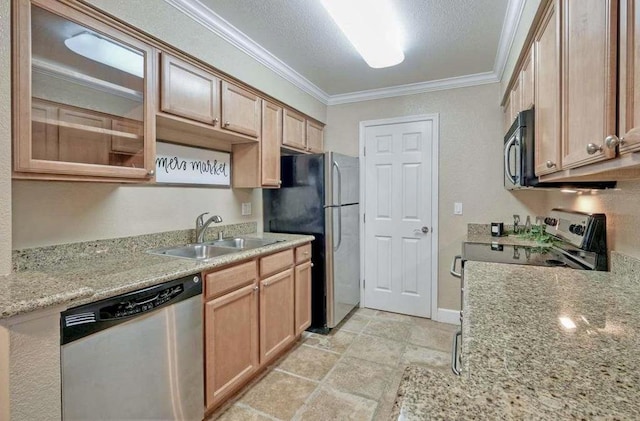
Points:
x=513 y=159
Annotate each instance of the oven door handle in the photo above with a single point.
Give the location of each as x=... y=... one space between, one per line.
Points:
x=453 y=267
x=455 y=358
x=507 y=159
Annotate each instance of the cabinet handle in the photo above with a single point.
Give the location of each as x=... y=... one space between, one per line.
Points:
x=593 y=148
x=279 y=182
x=311 y=264
x=256 y=288
x=612 y=141
x=227 y=124
x=215 y=121
x=151 y=173
x=266 y=284
x=551 y=164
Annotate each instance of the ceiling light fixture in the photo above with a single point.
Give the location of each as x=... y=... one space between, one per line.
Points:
x=107 y=52
x=372 y=27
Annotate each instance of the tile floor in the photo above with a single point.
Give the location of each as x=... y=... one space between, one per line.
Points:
x=351 y=374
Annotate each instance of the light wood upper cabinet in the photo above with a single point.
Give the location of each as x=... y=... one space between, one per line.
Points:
x=188 y=91
x=527 y=81
x=315 y=137
x=241 y=110
x=516 y=95
x=270 y=144
x=123 y=143
x=231 y=342
x=589 y=44
x=506 y=116
x=546 y=50
x=276 y=314
x=629 y=73
x=65 y=104
x=293 y=130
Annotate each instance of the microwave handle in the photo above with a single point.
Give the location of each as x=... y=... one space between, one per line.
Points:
x=507 y=159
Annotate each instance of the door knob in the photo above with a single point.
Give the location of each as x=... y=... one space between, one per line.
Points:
x=424 y=230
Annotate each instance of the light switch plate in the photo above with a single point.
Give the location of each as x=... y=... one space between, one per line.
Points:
x=457 y=208
x=246 y=209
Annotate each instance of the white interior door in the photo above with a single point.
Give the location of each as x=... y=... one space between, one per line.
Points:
x=398 y=217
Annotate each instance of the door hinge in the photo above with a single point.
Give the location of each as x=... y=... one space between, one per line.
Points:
x=364 y=217
x=364 y=283
x=364 y=152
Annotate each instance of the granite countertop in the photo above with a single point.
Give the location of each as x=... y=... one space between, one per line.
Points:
x=512 y=240
x=81 y=283
x=520 y=362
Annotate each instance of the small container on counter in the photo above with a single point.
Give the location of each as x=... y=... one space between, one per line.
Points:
x=497 y=229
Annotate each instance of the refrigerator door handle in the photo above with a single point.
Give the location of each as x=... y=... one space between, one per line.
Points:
x=339 y=204
x=337 y=246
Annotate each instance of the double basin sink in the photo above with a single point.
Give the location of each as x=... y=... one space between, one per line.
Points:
x=209 y=250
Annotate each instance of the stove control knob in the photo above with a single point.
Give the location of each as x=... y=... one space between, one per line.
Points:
x=550 y=221
x=572 y=228
x=579 y=230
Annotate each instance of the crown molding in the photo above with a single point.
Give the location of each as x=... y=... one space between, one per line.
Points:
x=507 y=35
x=219 y=26
x=415 y=88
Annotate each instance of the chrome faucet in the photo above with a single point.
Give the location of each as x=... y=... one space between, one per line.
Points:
x=201 y=225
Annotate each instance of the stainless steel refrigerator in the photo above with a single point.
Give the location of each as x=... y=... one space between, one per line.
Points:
x=320 y=195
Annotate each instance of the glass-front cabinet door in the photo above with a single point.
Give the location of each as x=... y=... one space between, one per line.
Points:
x=83 y=96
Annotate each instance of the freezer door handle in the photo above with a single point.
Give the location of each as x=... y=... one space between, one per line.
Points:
x=339 y=180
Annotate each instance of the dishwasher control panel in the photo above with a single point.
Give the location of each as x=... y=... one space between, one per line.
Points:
x=87 y=319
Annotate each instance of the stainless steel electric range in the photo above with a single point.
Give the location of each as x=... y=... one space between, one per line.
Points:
x=579 y=242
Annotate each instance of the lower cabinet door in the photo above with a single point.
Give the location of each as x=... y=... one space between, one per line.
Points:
x=231 y=342
x=276 y=314
x=303 y=297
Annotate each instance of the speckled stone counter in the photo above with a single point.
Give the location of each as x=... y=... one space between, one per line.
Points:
x=79 y=282
x=521 y=362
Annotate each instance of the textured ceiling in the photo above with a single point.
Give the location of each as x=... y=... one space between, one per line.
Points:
x=443 y=39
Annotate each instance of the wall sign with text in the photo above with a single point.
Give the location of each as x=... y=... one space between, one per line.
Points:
x=178 y=164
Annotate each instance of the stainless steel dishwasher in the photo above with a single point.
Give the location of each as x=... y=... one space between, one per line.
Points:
x=137 y=356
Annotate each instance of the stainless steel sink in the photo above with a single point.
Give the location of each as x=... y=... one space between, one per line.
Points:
x=193 y=251
x=243 y=243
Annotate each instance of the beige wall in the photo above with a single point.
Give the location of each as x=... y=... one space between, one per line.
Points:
x=470 y=163
x=46 y=213
x=5 y=138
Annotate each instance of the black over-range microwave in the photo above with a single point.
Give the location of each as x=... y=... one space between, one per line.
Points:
x=519 y=163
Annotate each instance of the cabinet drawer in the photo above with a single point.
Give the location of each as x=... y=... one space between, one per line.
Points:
x=226 y=280
x=303 y=253
x=276 y=262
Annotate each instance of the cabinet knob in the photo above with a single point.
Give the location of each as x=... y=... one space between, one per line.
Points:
x=279 y=182
x=227 y=124
x=215 y=121
x=612 y=141
x=593 y=148
x=255 y=288
x=151 y=173
x=311 y=264
x=551 y=164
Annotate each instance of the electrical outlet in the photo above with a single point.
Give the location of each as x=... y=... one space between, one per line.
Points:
x=457 y=208
x=246 y=209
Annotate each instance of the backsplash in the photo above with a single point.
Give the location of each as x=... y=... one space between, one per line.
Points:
x=86 y=252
